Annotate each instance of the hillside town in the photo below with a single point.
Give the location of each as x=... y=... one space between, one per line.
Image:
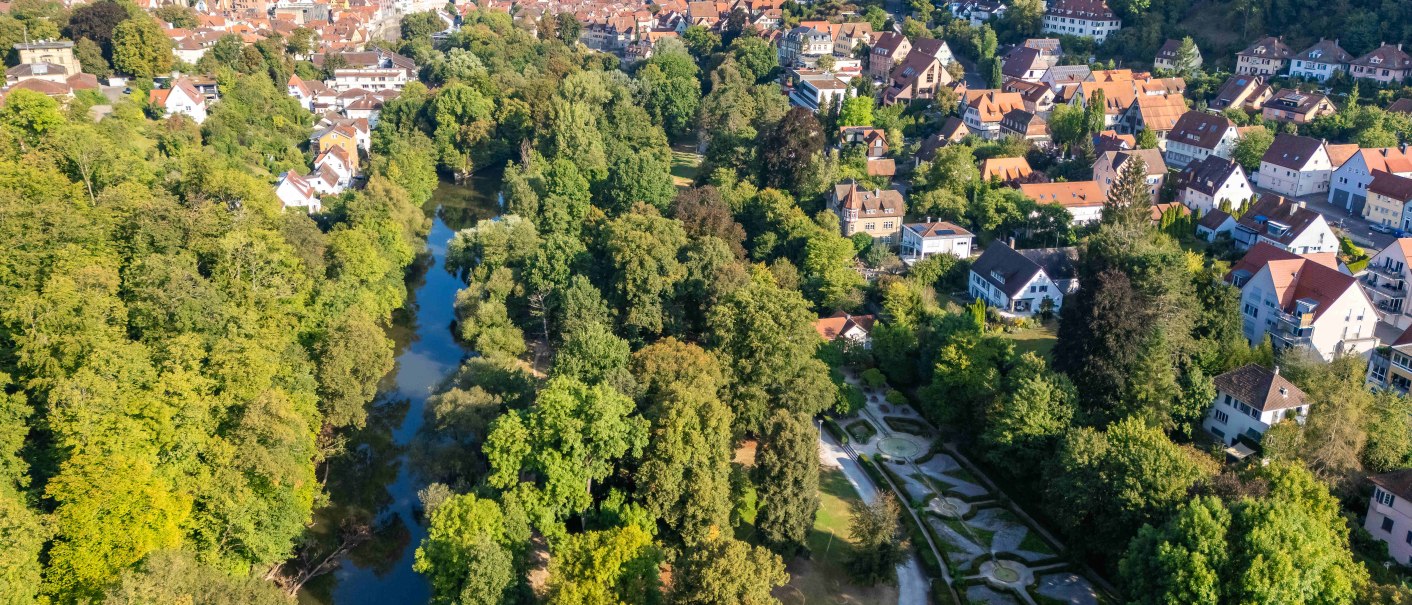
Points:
x=688 y=301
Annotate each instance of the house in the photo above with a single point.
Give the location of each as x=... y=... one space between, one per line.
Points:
x=1039 y=99
x=1348 y=186
x=1403 y=105
x=1302 y=303
x=873 y=140
x=1266 y=57
x=1389 y=517
x=1385 y=65
x=337 y=161
x=815 y=88
x=295 y=192
x=920 y=240
x=977 y=12
x=857 y=329
x=1214 y=223
x=1009 y=171
x=53 y=52
x=804 y=42
x=953 y=130
x=1295 y=166
x=1168 y=55
x=1264 y=252
x=877 y=212
x=341 y=135
x=1110 y=140
x=1083 y=199
x=917 y=77
x=1286 y=225
x=181 y=98
x=933 y=47
x=1198 y=135
x=1061 y=76
x=1108 y=168
x=984 y=110
x=890 y=48
x=1158 y=113
x=1297 y=107
x=1205 y=184
x=1386 y=279
x=1022 y=124
x=1320 y=61
x=1249 y=400
x=1027 y=64
x=1243 y=92
x=1388 y=198
x=1024 y=282
x=1083 y=18
x=1048 y=46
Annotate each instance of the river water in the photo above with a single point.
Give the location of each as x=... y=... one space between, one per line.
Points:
x=374 y=480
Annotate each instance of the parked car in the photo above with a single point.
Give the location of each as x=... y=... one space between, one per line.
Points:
x=1380 y=228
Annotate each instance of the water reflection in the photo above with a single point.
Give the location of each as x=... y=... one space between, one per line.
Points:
x=372 y=480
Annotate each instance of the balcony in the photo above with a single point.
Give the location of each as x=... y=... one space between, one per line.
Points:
x=1387 y=272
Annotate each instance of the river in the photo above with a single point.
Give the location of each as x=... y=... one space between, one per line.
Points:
x=373 y=479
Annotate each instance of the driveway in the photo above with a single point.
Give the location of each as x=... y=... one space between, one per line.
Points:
x=1354 y=227
x=911 y=582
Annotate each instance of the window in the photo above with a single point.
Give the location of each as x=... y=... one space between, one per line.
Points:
x=1384 y=498
x=1387 y=524
x=1221 y=417
x=1251 y=310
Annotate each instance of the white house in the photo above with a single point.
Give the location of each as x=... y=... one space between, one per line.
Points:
x=1083 y=199
x=1204 y=184
x=1249 y=400
x=1024 y=282
x=814 y=89
x=1213 y=223
x=1108 y=168
x=181 y=98
x=1083 y=18
x=856 y=328
x=1198 y=135
x=372 y=79
x=296 y=192
x=1320 y=61
x=1389 y=517
x=1386 y=281
x=1305 y=303
x=1296 y=166
x=920 y=240
x=1286 y=225
x=1348 y=185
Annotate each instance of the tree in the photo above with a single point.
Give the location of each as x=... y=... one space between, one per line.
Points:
x=1184 y=560
x=178 y=16
x=877 y=545
x=353 y=356
x=670 y=91
x=1250 y=147
x=90 y=58
x=569 y=27
x=1147 y=139
x=1068 y=125
x=789 y=149
x=1024 y=426
x=96 y=21
x=755 y=56
x=857 y=111
x=643 y=250
x=571 y=438
x=1095 y=113
x=611 y=566
x=787 y=477
x=726 y=570
x=300 y=42
x=421 y=25
x=1130 y=198
x=685 y=474
x=1025 y=16
x=173 y=577
x=140 y=49
x=467 y=554
x=1188 y=57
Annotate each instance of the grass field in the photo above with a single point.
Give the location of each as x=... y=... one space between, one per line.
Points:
x=823 y=578
x=685 y=165
x=1039 y=340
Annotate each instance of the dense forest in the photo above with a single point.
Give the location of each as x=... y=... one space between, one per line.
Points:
x=177 y=355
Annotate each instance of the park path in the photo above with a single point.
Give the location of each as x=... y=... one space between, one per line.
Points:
x=912 y=583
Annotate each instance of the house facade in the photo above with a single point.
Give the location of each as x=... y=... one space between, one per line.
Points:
x=1168 y=55
x=1266 y=57
x=1206 y=184
x=1286 y=225
x=1108 y=168
x=1249 y=400
x=985 y=109
x=1024 y=282
x=1386 y=280
x=1083 y=18
x=921 y=240
x=181 y=98
x=1083 y=199
x=1297 y=107
x=1198 y=135
x=890 y=48
x=1388 y=199
x=1387 y=64
x=877 y=212
x=1301 y=303
x=856 y=329
x=1296 y=166
x=1389 y=517
x=1348 y=185
x=1320 y=61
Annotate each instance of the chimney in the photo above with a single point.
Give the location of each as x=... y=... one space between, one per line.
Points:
x=1277 y=370
x=1011 y=241
x=1301 y=204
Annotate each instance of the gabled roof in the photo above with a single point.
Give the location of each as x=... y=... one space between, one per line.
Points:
x=1260 y=388
x=1207 y=175
x=888 y=43
x=1071 y=194
x=1403 y=105
x=1200 y=129
x=1292 y=151
x=1397 y=483
x=1214 y=219
x=1385 y=57
x=1268 y=48
x=840 y=323
x=1263 y=253
x=1387 y=184
x=1160 y=112
x=1387 y=159
x=1338 y=154
x=1237 y=90
x=1293 y=100
x=1020 y=60
x=1090 y=10
x=1010 y=270
x=1169 y=49
x=1325 y=51
x=992 y=105
x=885 y=202
x=1151 y=157
x=1292 y=218
x=1005 y=169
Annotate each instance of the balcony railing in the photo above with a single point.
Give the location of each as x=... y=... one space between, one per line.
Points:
x=1384 y=271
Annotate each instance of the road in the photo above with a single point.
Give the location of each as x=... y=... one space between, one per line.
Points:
x=911 y=582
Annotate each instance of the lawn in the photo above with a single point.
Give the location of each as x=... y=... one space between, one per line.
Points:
x=685 y=166
x=823 y=577
x=1040 y=339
